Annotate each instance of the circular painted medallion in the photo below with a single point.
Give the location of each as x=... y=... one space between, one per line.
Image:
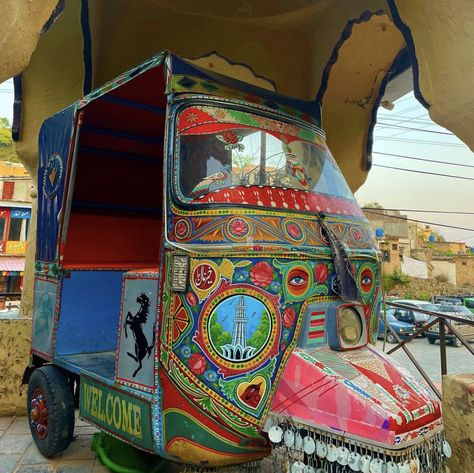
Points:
x=238 y=228
x=52 y=177
x=239 y=327
x=182 y=229
x=293 y=230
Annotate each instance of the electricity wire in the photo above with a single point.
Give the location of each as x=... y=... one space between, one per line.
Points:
x=388 y=125
x=399 y=217
x=456 y=212
x=422 y=142
x=424 y=159
x=424 y=172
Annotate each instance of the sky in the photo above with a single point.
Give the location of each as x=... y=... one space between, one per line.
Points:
x=407 y=190
x=402 y=189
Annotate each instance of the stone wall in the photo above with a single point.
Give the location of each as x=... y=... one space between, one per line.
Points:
x=458 y=418
x=15 y=341
x=444 y=271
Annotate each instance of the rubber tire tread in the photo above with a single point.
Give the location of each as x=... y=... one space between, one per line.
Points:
x=391 y=338
x=431 y=340
x=60 y=402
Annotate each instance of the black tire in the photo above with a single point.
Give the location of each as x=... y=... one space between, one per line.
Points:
x=456 y=343
x=50 y=405
x=431 y=340
x=391 y=338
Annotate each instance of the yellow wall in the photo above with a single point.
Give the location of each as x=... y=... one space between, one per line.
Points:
x=15 y=341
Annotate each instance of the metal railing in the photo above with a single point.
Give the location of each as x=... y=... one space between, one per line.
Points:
x=443 y=321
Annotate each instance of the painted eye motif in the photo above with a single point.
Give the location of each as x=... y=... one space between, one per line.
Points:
x=366 y=280
x=298 y=281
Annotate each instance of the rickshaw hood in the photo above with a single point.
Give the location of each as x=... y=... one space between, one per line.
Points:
x=360 y=393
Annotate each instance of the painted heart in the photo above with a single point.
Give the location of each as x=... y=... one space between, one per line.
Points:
x=252 y=393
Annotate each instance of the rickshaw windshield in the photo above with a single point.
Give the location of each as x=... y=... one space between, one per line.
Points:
x=221 y=148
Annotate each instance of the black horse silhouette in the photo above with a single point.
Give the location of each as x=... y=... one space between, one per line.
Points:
x=136 y=322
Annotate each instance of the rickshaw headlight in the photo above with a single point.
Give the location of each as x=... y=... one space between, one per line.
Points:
x=350 y=326
x=347 y=328
x=179 y=272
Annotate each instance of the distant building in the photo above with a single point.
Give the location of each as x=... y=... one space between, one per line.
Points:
x=396 y=236
x=15 y=214
x=449 y=247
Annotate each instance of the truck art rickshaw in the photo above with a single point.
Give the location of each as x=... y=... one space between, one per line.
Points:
x=207 y=288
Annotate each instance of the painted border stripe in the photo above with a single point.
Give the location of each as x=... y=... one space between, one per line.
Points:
x=316 y=334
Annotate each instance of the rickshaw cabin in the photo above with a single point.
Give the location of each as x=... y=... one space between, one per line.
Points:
x=105 y=156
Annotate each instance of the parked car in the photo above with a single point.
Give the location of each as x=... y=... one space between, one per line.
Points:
x=467 y=331
x=411 y=316
x=467 y=301
x=402 y=329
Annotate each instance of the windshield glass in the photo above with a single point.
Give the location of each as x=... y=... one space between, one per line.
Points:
x=222 y=148
x=430 y=307
x=458 y=309
x=389 y=317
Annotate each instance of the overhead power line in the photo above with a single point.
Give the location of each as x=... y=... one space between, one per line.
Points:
x=424 y=159
x=410 y=119
x=456 y=212
x=421 y=142
x=420 y=221
x=424 y=172
x=389 y=125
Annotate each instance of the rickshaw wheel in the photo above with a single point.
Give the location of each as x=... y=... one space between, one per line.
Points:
x=50 y=405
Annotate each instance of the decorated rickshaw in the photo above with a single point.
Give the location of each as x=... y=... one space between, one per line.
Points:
x=207 y=288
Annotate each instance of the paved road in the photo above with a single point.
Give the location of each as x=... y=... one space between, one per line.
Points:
x=460 y=360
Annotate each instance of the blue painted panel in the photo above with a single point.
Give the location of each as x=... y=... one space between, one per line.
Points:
x=43 y=315
x=53 y=156
x=89 y=316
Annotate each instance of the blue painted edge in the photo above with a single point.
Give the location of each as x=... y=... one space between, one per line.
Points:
x=406 y=32
x=346 y=33
x=17 y=106
x=58 y=9
x=87 y=46
x=234 y=63
x=373 y=115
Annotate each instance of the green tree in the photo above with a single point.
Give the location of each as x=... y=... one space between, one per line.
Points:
x=373 y=205
x=7 y=150
x=260 y=335
x=218 y=336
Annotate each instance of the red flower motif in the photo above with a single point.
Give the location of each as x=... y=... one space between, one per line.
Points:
x=321 y=272
x=197 y=363
x=358 y=235
x=261 y=274
x=239 y=227
x=289 y=317
x=191 y=298
x=294 y=230
x=181 y=228
x=230 y=137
